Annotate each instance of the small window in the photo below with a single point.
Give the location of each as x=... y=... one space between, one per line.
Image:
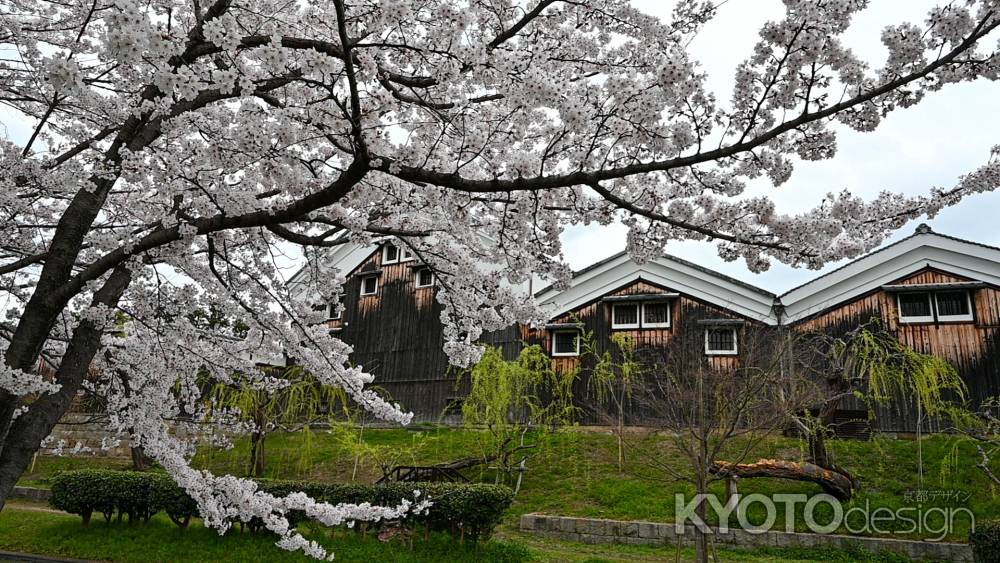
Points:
x=720 y=341
x=566 y=343
x=425 y=277
x=915 y=308
x=369 y=285
x=625 y=315
x=334 y=311
x=656 y=315
x=390 y=254
x=405 y=254
x=953 y=305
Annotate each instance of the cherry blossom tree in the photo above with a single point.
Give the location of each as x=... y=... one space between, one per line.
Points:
x=178 y=148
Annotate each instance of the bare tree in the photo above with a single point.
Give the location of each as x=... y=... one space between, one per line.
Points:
x=716 y=410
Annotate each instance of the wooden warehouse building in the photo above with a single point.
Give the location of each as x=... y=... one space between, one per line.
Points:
x=939 y=294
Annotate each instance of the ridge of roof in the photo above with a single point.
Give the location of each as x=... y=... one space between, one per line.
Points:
x=672 y=258
x=922 y=229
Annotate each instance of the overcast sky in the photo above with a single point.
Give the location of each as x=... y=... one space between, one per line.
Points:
x=932 y=144
x=948 y=134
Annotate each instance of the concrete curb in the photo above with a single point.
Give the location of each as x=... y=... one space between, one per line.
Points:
x=593 y=530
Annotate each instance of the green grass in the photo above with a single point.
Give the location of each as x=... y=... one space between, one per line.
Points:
x=160 y=540
x=575 y=474
x=23 y=528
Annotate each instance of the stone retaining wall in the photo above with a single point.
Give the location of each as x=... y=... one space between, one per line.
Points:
x=591 y=530
x=31 y=493
x=86 y=430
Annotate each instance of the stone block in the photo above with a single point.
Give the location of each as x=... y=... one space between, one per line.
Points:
x=596 y=527
x=528 y=522
x=648 y=530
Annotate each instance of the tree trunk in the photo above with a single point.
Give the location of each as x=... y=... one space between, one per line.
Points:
x=832 y=481
x=621 y=440
x=700 y=537
x=818 y=453
x=257 y=454
x=26 y=432
x=140 y=461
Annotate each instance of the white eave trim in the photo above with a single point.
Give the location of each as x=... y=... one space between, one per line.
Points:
x=593 y=284
x=881 y=268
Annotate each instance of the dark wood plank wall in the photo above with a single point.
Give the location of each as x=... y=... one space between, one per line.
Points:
x=972 y=347
x=397 y=336
x=595 y=318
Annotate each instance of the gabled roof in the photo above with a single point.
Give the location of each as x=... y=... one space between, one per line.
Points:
x=923 y=249
x=671 y=272
x=343 y=259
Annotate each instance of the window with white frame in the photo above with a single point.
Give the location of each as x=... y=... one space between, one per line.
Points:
x=405 y=254
x=647 y=314
x=369 y=285
x=424 y=277
x=915 y=307
x=720 y=340
x=955 y=305
x=334 y=311
x=390 y=254
x=656 y=314
x=625 y=315
x=566 y=342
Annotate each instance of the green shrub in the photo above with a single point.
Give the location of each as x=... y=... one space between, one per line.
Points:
x=137 y=495
x=83 y=492
x=469 y=510
x=466 y=510
x=985 y=541
x=172 y=499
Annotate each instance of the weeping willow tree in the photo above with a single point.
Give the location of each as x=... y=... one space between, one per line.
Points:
x=301 y=403
x=509 y=398
x=896 y=371
x=981 y=430
x=872 y=364
x=613 y=380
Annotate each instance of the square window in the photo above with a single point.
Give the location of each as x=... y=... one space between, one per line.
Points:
x=656 y=315
x=425 y=277
x=390 y=254
x=720 y=341
x=369 y=285
x=915 y=308
x=405 y=254
x=625 y=315
x=953 y=305
x=566 y=343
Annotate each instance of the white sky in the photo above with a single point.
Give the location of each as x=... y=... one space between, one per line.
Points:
x=948 y=134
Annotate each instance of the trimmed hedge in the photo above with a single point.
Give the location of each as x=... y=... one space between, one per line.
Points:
x=466 y=510
x=137 y=495
x=985 y=541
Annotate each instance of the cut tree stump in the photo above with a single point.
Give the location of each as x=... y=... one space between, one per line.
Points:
x=832 y=482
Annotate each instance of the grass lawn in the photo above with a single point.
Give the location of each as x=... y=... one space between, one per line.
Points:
x=29 y=529
x=24 y=528
x=576 y=474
